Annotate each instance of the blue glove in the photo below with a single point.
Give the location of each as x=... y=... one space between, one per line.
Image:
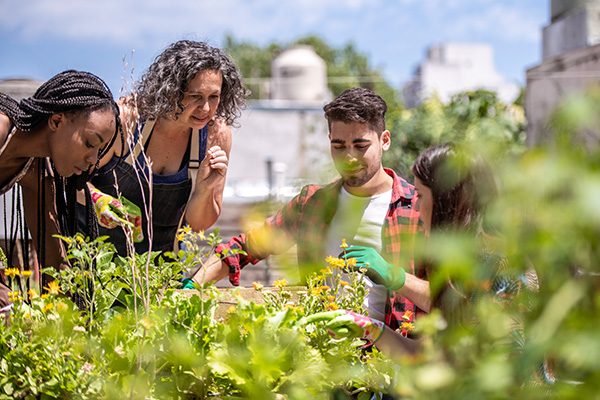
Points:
x=378 y=270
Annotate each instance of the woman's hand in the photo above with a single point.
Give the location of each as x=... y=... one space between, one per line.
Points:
x=213 y=168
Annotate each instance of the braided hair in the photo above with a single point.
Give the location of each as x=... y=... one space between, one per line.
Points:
x=78 y=94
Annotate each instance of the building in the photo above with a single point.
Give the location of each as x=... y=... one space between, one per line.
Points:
x=282 y=141
x=452 y=68
x=570 y=63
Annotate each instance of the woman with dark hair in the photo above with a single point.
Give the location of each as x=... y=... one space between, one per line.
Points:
x=61 y=131
x=454 y=187
x=179 y=138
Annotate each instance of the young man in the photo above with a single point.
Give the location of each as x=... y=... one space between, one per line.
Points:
x=370 y=206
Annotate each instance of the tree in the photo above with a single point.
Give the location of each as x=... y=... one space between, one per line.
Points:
x=346 y=66
x=478 y=118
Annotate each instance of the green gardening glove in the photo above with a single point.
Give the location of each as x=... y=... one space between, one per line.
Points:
x=344 y=323
x=188 y=284
x=378 y=270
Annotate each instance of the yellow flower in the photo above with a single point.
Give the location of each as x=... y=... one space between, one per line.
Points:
x=257 y=285
x=79 y=239
x=181 y=237
x=344 y=283
x=326 y=271
x=324 y=288
x=315 y=291
x=407 y=326
x=351 y=262
x=187 y=228
x=201 y=235
x=407 y=315
x=335 y=262
x=13 y=296
x=118 y=317
x=344 y=245
x=32 y=294
x=10 y=272
x=45 y=296
x=26 y=274
x=145 y=322
x=280 y=283
x=330 y=298
x=231 y=310
x=27 y=316
x=47 y=307
x=332 y=306
x=53 y=287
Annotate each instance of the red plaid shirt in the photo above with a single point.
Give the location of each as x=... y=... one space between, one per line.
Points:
x=305 y=220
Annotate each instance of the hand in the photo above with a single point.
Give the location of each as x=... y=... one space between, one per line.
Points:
x=213 y=168
x=344 y=323
x=378 y=270
x=112 y=213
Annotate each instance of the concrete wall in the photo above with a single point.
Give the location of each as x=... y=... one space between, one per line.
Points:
x=574 y=26
x=293 y=139
x=549 y=83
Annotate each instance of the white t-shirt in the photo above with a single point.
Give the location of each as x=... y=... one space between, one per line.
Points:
x=360 y=220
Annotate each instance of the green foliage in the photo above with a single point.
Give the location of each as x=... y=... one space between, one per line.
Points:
x=347 y=67
x=477 y=118
x=136 y=336
x=154 y=341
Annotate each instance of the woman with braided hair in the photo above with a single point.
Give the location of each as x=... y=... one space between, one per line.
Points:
x=56 y=136
x=178 y=123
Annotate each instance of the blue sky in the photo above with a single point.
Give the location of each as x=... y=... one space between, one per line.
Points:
x=39 y=38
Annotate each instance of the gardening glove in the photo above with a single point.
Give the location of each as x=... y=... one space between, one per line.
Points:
x=378 y=270
x=112 y=213
x=187 y=283
x=344 y=323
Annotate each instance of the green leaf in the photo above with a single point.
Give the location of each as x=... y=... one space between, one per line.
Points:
x=8 y=388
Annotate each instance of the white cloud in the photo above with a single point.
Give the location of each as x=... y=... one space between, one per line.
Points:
x=127 y=21
x=499 y=21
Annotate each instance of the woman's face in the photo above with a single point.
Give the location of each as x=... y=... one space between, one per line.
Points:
x=424 y=203
x=77 y=140
x=201 y=99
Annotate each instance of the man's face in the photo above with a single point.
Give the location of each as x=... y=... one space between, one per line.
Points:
x=356 y=150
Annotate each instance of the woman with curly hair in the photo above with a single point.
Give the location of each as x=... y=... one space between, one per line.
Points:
x=179 y=138
x=61 y=131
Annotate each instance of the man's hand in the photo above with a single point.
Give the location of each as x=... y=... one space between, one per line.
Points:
x=378 y=270
x=344 y=323
x=112 y=213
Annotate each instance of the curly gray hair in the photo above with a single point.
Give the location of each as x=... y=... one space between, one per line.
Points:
x=161 y=88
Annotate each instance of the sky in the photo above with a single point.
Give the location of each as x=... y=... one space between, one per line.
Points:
x=118 y=39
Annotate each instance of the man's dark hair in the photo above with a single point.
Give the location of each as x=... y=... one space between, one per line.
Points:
x=357 y=105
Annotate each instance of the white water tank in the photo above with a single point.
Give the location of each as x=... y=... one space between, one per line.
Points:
x=299 y=74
